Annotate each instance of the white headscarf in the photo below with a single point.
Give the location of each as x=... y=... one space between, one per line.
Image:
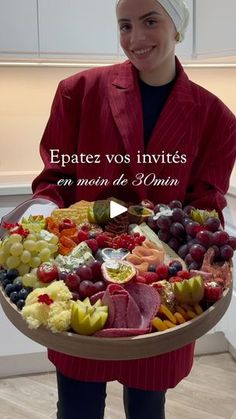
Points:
x=178 y=12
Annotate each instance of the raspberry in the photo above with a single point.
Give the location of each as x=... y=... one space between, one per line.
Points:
x=162 y=271
x=92 y=243
x=212 y=291
x=184 y=274
x=141 y=279
x=150 y=277
x=82 y=235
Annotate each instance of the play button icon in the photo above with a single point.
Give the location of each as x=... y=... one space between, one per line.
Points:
x=116 y=209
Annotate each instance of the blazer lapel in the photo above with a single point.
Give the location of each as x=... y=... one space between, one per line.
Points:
x=126 y=107
x=169 y=133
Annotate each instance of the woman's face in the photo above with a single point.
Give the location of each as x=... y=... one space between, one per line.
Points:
x=147 y=35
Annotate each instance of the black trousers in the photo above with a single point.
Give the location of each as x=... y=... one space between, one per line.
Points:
x=86 y=400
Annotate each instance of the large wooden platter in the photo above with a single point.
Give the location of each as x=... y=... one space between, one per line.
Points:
x=121 y=348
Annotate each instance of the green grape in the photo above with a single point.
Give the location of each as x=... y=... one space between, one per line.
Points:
x=34 y=271
x=41 y=244
x=45 y=254
x=23 y=269
x=7 y=245
x=16 y=249
x=2 y=257
x=28 y=280
x=17 y=279
x=26 y=256
x=13 y=262
x=15 y=238
x=30 y=245
x=52 y=247
x=32 y=236
x=39 y=284
x=54 y=239
x=35 y=262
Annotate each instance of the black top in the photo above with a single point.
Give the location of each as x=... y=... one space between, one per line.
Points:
x=153 y=101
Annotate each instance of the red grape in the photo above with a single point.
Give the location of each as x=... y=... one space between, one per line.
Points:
x=232 y=242
x=84 y=272
x=87 y=288
x=151 y=222
x=164 y=222
x=204 y=237
x=216 y=251
x=164 y=235
x=212 y=224
x=188 y=208
x=72 y=281
x=96 y=270
x=220 y=238
x=191 y=228
x=174 y=244
x=178 y=214
x=188 y=259
x=177 y=230
x=226 y=252
x=160 y=207
x=175 y=204
x=100 y=286
x=183 y=251
x=194 y=266
x=197 y=252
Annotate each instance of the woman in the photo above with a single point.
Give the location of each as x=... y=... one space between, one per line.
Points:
x=146 y=105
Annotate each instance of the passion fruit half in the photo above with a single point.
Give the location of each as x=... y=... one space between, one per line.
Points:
x=138 y=213
x=117 y=271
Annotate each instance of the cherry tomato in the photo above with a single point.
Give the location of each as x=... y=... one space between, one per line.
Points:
x=47 y=272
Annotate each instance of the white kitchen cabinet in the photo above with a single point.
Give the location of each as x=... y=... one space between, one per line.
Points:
x=215 y=29
x=75 y=29
x=83 y=27
x=18 y=28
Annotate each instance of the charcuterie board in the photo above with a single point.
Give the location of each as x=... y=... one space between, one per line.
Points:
x=124 y=348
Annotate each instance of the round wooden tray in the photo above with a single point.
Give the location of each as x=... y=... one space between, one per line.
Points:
x=136 y=347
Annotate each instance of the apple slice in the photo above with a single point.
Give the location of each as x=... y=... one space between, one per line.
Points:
x=189 y=291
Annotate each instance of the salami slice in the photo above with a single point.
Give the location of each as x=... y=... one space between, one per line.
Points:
x=147 y=300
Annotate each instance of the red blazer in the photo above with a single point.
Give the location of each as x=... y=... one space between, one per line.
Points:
x=99 y=112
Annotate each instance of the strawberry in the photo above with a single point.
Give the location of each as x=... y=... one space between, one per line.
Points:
x=92 y=243
x=213 y=291
x=150 y=277
x=82 y=235
x=162 y=271
x=184 y=274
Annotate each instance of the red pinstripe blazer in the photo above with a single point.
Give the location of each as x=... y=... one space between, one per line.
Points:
x=99 y=111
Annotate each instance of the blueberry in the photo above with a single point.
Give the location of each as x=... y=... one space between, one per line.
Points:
x=9 y=289
x=172 y=271
x=12 y=273
x=152 y=268
x=17 y=285
x=22 y=294
x=20 y=304
x=5 y=282
x=177 y=265
x=14 y=297
x=3 y=276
